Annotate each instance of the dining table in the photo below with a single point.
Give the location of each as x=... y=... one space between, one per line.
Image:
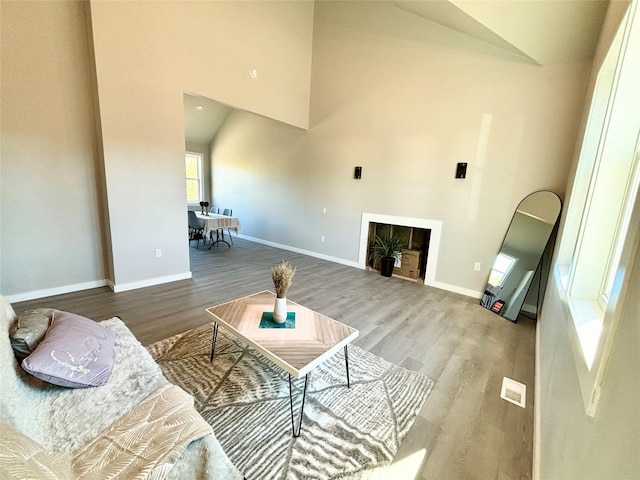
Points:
x=214 y=222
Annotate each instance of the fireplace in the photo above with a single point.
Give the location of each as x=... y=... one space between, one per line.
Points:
x=423 y=237
x=414 y=254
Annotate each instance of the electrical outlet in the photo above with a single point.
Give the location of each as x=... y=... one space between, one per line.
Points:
x=324 y=210
x=322 y=238
x=477 y=266
x=158 y=253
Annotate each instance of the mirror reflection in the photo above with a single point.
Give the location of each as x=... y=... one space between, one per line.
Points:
x=521 y=253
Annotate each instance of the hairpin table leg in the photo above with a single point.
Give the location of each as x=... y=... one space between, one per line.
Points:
x=213 y=340
x=304 y=394
x=346 y=361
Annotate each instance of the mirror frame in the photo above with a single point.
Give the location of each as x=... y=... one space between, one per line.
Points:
x=547 y=212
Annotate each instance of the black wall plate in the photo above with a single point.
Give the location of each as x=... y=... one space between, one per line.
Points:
x=461 y=170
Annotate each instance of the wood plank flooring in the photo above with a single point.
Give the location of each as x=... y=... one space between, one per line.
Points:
x=464 y=431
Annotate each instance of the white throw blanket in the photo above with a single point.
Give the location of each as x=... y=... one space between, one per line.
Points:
x=43 y=428
x=146 y=442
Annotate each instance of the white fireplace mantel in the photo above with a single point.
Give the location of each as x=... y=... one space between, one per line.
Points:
x=434 y=243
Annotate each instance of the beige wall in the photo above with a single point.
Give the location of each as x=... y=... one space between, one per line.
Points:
x=406 y=99
x=50 y=221
x=147 y=55
x=571 y=444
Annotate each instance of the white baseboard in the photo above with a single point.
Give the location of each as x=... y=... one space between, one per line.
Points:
x=329 y=258
x=537 y=411
x=50 y=292
x=123 y=287
x=455 y=289
x=77 y=287
x=348 y=263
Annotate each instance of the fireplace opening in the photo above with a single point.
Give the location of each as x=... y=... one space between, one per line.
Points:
x=414 y=256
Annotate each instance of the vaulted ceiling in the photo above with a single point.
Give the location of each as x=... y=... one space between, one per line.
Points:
x=202 y=124
x=539 y=31
x=543 y=32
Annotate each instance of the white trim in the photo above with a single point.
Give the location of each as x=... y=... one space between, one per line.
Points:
x=123 y=287
x=590 y=329
x=434 y=242
x=537 y=412
x=455 y=289
x=348 y=263
x=49 y=292
x=329 y=258
x=200 y=179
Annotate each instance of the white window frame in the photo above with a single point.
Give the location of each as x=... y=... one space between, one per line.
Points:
x=598 y=219
x=512 y=263
x=199 y=179
x=631 y=192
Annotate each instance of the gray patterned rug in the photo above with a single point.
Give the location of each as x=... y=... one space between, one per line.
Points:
x=346 y=432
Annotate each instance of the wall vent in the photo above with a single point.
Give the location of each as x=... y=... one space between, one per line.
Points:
x=514 y=392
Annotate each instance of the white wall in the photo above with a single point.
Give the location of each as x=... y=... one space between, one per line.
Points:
x=94 y=229
x=569 y=443
x=147 y=55
x=406 y=99
x=573 y=445
x=402 y=97
x=50 y=219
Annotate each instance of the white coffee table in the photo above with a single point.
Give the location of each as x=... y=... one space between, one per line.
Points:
x=298 y=350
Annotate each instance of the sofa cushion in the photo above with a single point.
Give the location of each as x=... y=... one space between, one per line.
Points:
x=76 y=352
x=29 y=331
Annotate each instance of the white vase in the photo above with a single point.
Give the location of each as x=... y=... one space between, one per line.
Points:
x=280 y=310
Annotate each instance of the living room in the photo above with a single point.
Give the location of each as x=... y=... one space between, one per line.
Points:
x=92 y=100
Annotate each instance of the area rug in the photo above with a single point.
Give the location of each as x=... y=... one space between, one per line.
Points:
x=349 y=433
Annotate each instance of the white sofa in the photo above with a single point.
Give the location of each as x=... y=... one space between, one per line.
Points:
x=63 y=429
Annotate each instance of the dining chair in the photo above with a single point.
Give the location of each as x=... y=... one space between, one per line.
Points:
x=229 y=213
x=215 y=210
x=196 y=230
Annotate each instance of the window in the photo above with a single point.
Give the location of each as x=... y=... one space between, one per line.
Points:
x=502 y=265
x=631 y=192
x=599 y=211
x=195 y=192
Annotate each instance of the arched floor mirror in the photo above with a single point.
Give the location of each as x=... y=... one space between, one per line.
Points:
x=520 y=256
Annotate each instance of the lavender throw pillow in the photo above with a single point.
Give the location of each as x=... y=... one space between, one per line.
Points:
x=76 y=352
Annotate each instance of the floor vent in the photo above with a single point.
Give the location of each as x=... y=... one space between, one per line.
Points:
x=514 y=392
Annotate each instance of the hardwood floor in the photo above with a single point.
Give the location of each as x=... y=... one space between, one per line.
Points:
x=464 y=431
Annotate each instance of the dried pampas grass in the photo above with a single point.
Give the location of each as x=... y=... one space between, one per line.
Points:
x=282 y=276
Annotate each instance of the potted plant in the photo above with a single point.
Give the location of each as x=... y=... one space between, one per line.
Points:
x=387 y=250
